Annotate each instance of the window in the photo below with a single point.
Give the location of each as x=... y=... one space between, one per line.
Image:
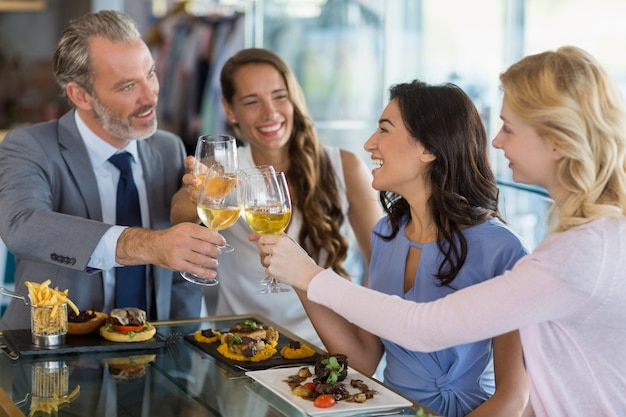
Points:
x=346 y=54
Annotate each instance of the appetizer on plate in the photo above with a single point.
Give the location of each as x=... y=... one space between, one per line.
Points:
x=207 y=336
x=127 y=325
x=328 y=386
x=296 y=350
x=248 y=341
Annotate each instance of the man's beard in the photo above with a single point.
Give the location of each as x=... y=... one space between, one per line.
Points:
x=119 y=127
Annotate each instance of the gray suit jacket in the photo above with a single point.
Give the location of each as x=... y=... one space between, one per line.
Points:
x=51 y=218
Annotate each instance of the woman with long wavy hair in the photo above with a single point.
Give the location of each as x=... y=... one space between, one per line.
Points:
x=330 y=188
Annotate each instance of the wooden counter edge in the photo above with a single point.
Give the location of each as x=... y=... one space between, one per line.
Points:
x=8 y=407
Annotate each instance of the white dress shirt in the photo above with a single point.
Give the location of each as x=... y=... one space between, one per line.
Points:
x=107 y=176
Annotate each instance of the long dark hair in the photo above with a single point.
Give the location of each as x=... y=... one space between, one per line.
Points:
x=445 y=121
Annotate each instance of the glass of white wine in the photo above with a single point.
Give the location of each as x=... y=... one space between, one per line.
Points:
x=267 y=210
x=220 y=202
x=261 y=169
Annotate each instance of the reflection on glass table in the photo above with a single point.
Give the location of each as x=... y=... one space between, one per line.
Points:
x=177 y=379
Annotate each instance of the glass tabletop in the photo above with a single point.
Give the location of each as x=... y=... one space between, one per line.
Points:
x=174 y=379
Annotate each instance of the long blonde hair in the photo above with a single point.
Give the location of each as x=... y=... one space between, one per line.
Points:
x=572 y=103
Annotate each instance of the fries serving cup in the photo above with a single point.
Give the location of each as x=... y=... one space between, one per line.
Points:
x=48 y=324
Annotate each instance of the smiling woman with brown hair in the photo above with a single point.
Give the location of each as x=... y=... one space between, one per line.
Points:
x=330 y=187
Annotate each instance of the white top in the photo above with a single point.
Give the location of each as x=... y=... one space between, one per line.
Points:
x=240 y=271
x=568 y=298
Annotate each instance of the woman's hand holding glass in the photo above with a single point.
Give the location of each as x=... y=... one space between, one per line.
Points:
x=287 y=261
x=267 y=210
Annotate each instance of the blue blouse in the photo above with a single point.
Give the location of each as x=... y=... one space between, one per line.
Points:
x=452 y=381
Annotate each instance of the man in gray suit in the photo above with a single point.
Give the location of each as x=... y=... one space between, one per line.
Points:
x=58 y=189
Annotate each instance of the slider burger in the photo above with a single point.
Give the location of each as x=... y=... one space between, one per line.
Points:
x=127 y=325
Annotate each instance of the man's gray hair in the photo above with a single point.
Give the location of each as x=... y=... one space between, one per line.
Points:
x=72 y=59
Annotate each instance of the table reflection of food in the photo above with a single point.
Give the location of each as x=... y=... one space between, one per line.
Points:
x=128 y=368
x=50 y=388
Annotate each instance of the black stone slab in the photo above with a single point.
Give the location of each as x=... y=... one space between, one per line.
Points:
x=20 y=340
x=275 y=361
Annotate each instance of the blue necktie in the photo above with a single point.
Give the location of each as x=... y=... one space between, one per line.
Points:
x=130 y=281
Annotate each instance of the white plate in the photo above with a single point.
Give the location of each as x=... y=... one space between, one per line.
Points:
x=274 y=380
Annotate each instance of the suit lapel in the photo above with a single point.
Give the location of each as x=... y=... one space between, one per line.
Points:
x=77 y=160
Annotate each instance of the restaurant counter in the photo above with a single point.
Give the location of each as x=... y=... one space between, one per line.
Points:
x=181 y=380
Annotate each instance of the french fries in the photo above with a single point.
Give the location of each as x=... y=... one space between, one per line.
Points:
x=42 y=295
x=48 y=308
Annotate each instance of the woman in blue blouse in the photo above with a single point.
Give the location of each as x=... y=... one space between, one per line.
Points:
x=442 y=232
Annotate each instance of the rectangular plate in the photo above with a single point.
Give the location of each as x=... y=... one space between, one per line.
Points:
x=274 y=361
x=22 y=343
x=385 y=399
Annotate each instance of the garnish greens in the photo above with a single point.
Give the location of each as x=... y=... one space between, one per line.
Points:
x=252 y=324
x=235 y=339
x=334 y=367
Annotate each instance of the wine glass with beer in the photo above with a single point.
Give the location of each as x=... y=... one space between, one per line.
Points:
x=220 y=201
x=214 y=150
x=267 y=210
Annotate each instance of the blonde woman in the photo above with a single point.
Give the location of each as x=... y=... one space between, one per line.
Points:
x=564 y=128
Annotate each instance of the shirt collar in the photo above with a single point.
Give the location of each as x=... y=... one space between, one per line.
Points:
x=99 y=150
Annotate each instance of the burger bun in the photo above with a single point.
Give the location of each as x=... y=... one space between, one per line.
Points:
x=139 y=336
x=87 y=327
